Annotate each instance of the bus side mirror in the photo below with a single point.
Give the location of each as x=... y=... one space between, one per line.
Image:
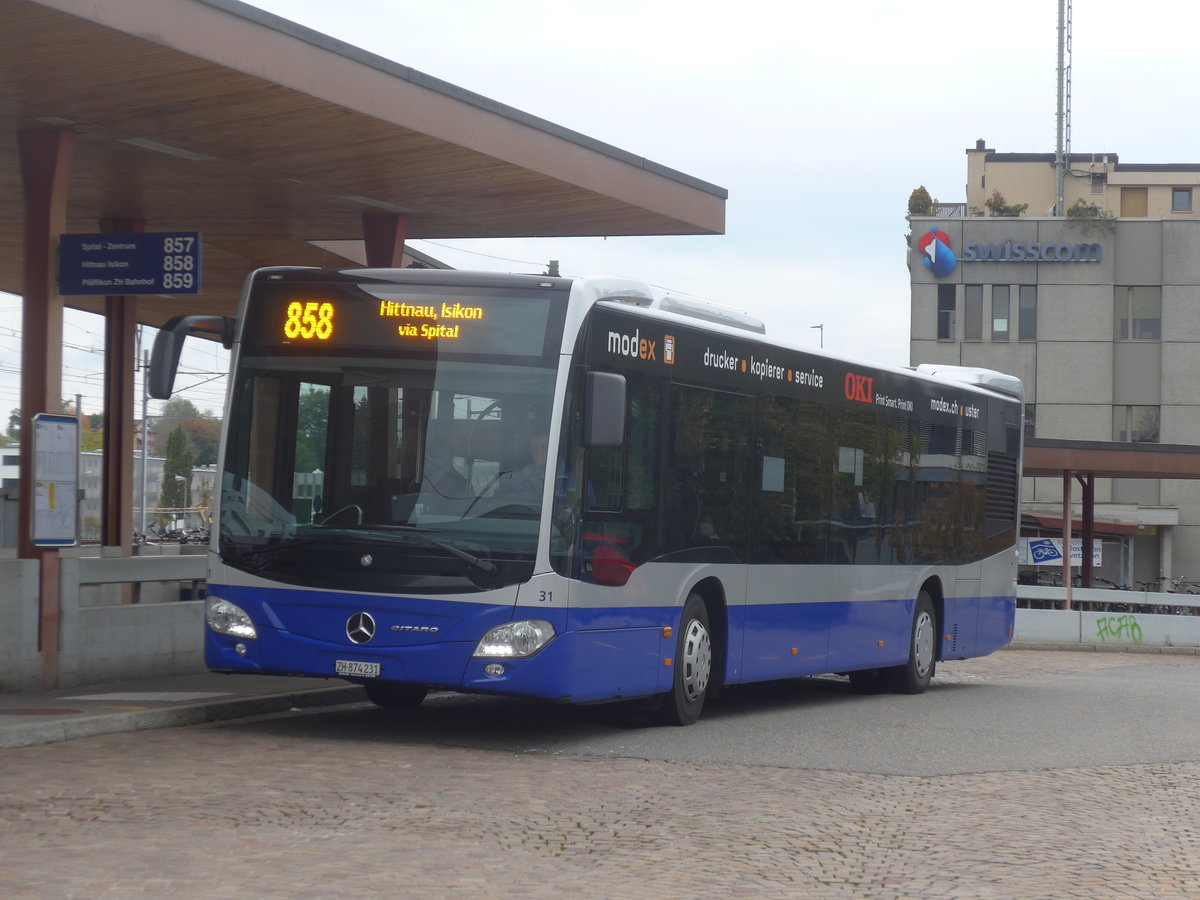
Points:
x=604 y=410
x=168 y=344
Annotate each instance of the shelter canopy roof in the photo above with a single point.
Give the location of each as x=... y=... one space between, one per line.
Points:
x=270 y=138
x=1105 y=459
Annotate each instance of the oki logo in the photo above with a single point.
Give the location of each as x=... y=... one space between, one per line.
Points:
x=860 y=388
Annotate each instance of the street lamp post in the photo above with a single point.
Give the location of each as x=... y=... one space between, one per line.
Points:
x=187 y=490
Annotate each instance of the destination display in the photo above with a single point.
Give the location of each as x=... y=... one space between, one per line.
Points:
x=415 y=319
x=128 y=264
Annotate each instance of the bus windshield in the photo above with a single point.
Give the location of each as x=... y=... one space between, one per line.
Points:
x=380 y=464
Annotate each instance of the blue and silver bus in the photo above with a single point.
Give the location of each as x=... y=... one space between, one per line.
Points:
x=590 y=490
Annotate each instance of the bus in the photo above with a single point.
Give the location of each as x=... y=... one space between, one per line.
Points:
x=590 y=490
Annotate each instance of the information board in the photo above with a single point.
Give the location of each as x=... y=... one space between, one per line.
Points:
x=118 y=264
x=55 y=480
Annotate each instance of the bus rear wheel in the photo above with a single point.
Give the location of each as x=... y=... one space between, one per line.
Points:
x=692 y=666
x=395 y=696
x=914 y=676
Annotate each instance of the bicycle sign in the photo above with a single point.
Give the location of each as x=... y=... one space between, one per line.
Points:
x=1048 y=551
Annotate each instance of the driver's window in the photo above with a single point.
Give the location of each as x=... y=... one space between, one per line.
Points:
x=312 y=433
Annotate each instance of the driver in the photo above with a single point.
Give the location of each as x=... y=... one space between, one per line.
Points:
x=528 y=480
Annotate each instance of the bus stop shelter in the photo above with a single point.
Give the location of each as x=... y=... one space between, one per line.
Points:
x=279 y=146
x=1081 y=462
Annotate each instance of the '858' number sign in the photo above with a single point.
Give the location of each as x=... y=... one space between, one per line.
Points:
x=307 y=320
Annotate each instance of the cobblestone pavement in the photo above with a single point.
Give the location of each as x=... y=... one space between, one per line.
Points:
x=225 y=812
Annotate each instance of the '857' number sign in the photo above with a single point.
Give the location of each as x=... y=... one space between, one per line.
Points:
x=116 y=264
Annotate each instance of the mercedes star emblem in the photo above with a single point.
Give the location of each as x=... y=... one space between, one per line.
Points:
x=360 y=628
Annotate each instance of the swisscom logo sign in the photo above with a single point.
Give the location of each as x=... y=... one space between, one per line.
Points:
x=940 y=258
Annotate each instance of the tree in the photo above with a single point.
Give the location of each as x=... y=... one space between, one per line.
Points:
x=203 y=430
x=66 y=407
x=1001 y=207
x=179 y=461
x=920 y=203
x=90 y=438
x=312 y=428
x=180 y=408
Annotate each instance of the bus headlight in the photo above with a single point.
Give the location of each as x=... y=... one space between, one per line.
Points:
x=225 y=618
x=515 y=640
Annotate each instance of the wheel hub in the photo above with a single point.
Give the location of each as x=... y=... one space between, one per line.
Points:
x=697 y=660
x=923 y=644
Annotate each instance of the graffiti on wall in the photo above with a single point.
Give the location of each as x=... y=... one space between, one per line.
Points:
x=1119 y=628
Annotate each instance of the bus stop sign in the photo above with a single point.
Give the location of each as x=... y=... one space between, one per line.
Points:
x=117 y=264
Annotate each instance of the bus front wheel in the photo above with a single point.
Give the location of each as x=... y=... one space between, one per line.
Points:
x=395 y=696
x=914 y=676
x=692 y=666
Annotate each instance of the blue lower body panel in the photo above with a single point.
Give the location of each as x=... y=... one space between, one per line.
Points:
x=597 y=655
x=300 y=633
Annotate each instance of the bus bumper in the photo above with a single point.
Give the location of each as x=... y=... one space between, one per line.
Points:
x=565 y=670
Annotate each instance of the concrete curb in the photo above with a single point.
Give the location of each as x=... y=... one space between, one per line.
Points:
x=33 y=734
x=1104 y=648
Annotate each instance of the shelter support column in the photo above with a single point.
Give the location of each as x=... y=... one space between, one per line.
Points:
x=120 y=326
x=1068 y=477
x=383 y=236
x=1166 y=540
x=1087 y=481
x=46 y=158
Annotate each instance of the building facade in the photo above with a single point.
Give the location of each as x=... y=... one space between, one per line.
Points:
x=1097 y=313
x=1000 y=184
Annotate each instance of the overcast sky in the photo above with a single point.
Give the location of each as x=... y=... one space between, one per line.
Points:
x=819 y=123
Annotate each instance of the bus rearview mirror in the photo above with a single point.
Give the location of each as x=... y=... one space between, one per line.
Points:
x=168 y=345
x=604 y=410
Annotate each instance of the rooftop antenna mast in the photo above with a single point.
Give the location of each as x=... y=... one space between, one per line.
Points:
x=1062 y=146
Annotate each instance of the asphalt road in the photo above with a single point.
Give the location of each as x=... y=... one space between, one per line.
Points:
x=1013 y=711
x=1023 y=776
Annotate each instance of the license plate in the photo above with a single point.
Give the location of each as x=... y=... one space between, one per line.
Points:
x=355 y=668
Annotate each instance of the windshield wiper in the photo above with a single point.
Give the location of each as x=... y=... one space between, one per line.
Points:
x=272 y=546
x=481 y=564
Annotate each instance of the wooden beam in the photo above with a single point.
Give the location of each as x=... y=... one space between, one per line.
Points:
x=46 y=158
x=120 y=327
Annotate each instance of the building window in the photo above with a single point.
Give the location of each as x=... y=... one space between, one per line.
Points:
x=1030 y=420
x=973 y=312
x=1181 y=199
x=1138 y=424
x=1137 y=313
x=1027 y=313
x=1099 y=182
x=1134 y=202
x=1000 y=312
x=946 y=313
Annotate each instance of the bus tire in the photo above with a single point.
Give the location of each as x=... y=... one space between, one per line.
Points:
x=914 y=676
x=867 y=681
x=692 y=666
x=395 y=696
